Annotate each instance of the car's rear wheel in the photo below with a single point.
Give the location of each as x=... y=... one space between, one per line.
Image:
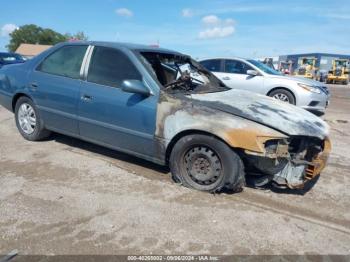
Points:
x=28 y=120
x=205 y=163
x=283 y=95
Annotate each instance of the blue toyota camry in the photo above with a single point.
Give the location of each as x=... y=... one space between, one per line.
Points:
x=163 y=106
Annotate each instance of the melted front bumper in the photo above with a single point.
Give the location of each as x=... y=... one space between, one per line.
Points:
x=295 y=174
x=319 y=162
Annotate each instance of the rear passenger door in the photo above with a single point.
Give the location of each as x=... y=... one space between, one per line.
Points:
x=235 y=76
x=55 y=87
x=110 y=116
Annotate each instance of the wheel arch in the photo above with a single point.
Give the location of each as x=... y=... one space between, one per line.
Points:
x=16 y=97
x=283 y=88
x=187 y=132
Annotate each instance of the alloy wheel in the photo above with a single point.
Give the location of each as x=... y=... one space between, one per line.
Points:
x=27 y=118
x=282 y=97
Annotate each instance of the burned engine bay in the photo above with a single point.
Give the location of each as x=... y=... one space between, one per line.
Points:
x=278 y=143
x=180 y=73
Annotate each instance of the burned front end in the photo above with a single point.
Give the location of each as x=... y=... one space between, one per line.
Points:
x=289 y=162
x=278 y=142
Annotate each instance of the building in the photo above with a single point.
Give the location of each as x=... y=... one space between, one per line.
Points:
x=323 y=60
x=30 y=50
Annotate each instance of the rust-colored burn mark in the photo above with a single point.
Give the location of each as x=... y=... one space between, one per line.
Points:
x=249 y=139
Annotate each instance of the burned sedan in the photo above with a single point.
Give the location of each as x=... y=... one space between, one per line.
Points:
x=164 y=107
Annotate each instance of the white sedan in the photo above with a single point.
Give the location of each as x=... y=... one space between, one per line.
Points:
x=252 y=75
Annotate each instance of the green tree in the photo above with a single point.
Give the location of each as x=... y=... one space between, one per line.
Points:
x=50 y=37
x=33 y=34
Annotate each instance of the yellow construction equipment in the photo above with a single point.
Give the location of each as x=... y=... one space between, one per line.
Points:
x=339 y=72
x=307 y=68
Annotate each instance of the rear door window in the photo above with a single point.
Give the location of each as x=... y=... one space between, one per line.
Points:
x=111 y=67
x=66 y=61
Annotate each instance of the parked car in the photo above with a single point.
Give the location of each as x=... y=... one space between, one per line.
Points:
x=165 y=107
x=10 y=58
x=252 y=75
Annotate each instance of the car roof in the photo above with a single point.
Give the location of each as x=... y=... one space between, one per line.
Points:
x=131 y=46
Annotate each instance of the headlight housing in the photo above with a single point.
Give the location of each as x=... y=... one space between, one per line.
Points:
x=277 y=148
x=310 y=88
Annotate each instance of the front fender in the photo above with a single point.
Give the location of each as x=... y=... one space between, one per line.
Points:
x=175 y=116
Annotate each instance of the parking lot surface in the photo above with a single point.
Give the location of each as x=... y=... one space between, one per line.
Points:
x=65 y=196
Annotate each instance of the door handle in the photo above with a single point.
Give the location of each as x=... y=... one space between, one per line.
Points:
x=34 y=86
x=86 y=98
x=226 y=78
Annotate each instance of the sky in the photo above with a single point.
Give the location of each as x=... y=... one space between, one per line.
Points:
x=200 y=28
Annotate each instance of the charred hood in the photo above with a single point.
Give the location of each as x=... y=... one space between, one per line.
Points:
x=286 y=118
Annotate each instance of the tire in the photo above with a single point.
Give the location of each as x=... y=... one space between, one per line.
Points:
x=28 y=120
x=207 y=164
x=283 y=95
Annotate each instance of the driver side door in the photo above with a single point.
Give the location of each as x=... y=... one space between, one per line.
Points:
x=107 y=114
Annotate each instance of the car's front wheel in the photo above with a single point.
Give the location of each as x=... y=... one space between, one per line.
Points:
x=283 y=95
x=205 y=163
x=28 y=120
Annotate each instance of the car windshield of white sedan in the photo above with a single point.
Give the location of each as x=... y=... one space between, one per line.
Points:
x=265 y=68
x=180 y=73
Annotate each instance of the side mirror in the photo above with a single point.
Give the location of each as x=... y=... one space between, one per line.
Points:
x=252 y=72
x=136 y=87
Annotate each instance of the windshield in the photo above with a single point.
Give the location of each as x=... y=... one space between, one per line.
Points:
x=341 y=63
x=179 y=73
x=10 y=58
x=308 y=61
x=285 y=65
x=265 y=68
